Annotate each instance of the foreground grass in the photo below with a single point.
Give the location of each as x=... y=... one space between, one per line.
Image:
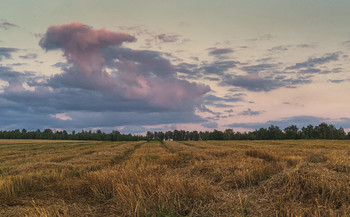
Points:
x=214 y=178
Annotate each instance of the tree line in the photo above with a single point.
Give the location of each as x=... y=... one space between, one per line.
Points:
x=322 y=131
x=64 y=135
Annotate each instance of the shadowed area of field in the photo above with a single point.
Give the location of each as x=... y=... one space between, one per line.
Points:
x=204 y=178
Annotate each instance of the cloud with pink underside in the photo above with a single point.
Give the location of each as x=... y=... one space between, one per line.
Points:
x=100 y=63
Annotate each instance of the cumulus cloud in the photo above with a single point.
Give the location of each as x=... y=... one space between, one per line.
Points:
x=82 y=46
x=147 y=75
x=136 y=75
x=14 y=79
x=102 y=80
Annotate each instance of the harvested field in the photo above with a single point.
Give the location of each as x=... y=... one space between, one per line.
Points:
x=206 y=178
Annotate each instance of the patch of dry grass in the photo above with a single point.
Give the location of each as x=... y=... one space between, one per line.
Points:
x=214 y=178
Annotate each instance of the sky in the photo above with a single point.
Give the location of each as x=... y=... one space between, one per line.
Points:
x=136 y=66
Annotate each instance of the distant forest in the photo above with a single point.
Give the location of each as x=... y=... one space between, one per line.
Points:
x=322 y=131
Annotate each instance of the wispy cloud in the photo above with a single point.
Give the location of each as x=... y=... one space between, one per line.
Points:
x=167 y=38
x=312 y=62
x=250 y=112
x=7 y=25
x=29 y=56
x=219 y=51
x=5 y=52
x=253 y=69
x=299 y=121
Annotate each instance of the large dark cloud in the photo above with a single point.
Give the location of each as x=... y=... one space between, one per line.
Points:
x=16 y=116
x=136 y=75
x=82 y=46
x=6 y=73
x=15 y=79
x=102 y=84
x=151 y=63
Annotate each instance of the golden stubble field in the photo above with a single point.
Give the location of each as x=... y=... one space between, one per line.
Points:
x=212 y=178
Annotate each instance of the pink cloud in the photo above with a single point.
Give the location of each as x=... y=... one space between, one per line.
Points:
x=82 y=46
x=62 y=116
x=15 y=85
x=161 y=87
x=135 y=75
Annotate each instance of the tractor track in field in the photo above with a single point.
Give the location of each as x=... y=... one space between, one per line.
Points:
x=191 y=145
x=126 y=154
x=167 y=148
